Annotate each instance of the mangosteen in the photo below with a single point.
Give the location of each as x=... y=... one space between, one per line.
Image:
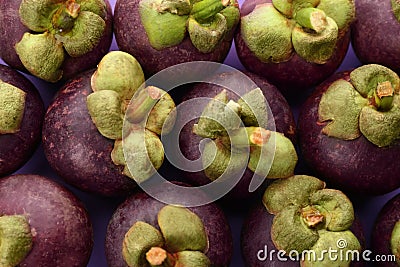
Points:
x=234 y=115
x=297 y=221
x=163 y=33
x=385 y=236
x=294 y=44
x=54 y=40
x=42 y=224
x=349 y=130
x=146 y=232
x=21 y=118
x=93 y=127
x=373 y=34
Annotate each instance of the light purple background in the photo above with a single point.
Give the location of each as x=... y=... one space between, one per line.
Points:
x=101 y=209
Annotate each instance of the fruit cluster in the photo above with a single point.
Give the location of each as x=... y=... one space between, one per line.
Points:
x=146 y=151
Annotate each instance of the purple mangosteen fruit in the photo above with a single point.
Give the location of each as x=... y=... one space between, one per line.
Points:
x=374 y=33
x=93 y=127
x=294 y=44
x=145 y=232
x=241 y=115
x=54 y=40
x=21 y=118
x=297 y=221
x=42 y=224
x=386 y=233
x=349 y=130
x=163 y=33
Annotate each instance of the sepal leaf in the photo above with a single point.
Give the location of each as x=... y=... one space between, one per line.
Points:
x=182 y=229
x=340 y=105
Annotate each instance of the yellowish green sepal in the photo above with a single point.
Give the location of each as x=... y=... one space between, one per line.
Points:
x=12 y=107
x=42 y=55
x=206 y=37
x=268 y=34
x=395 y=241
x=85 y=34
x=16 y=239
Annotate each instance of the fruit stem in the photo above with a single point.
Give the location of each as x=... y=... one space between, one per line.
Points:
x=15 y=239
x=383 y=96
x=247 y=136
x=157 y=256
x=64 y=18
x=142 y=104
x=206 y=9
x=312 y=18
x=311 y=216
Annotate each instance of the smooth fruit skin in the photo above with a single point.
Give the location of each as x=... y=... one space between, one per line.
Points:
x=356 y=166
x=294 y=76
x=75 y=148
x=189 y=142
x=256 y=236
x=142 y=207
x=383 y=227
x=17 y=148
x=64 y=235
x=13 y=30
x=131 y=37
x=374 y=34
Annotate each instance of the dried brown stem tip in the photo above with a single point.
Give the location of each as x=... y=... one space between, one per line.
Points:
x=156 y=256
x=312 y=216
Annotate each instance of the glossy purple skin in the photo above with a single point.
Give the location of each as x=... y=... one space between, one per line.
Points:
x=189 y=142
x=374 y=35
x=75 y=148
x=64 y=235
x=256 y=236
x=356 y=166
x=383 y=228
x=142 y=207
x=12 y=30
x=295 y=75
x=131 y=37
x=17 y=148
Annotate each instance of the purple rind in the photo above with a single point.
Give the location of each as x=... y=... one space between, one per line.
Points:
x=16 y=149
x=75 y=148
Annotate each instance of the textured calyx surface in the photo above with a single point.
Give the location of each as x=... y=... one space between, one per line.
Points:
x=309 y=216
x=16 y=239
x=396 y=9
x=59 y=28
x=12 y=107
x=310 y=28
x=368 y=105
x=181 y=241
x=166 y=22
x=121 y=102
x=237 y=127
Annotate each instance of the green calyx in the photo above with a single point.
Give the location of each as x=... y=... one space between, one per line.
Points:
x=118 y=94
x=395 y=241
x=310 y=217
x=396 y=9
x=235 y=127
x=12 y=106
x=15 y=239
x=310 y=28
x=181 y=241
x=344 y=242
x=207 y=22
x=61 y=28
x=369 y=105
